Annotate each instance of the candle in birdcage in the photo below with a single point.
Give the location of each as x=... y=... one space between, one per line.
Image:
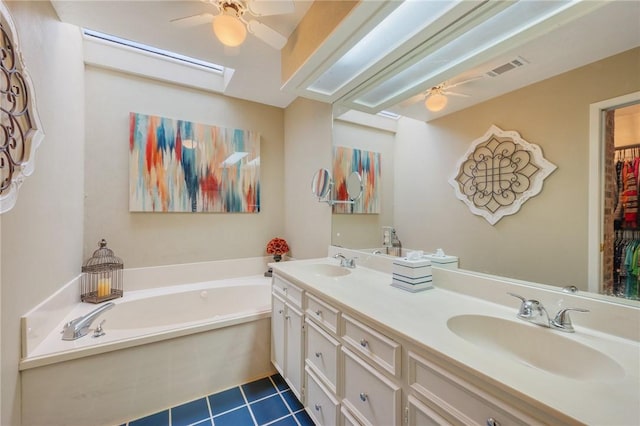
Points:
x=104 y=287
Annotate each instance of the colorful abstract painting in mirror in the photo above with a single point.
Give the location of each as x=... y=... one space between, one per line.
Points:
x=181 y=166
x=367 y=163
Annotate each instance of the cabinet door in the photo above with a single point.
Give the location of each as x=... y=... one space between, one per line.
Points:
x=277 y=333
x=294 y=355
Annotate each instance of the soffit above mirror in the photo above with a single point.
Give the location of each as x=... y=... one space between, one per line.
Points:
x=384 y=53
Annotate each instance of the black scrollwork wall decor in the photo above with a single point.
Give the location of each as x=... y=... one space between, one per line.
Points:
x=20 y=128
x=499 y=172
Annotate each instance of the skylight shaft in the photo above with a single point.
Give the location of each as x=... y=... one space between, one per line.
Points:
x=209 y=66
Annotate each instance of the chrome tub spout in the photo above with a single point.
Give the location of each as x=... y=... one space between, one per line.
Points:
x=79 y=327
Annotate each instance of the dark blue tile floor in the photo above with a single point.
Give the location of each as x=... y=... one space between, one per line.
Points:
x=267 y=401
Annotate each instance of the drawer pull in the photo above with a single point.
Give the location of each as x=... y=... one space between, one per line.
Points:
x=492 y=422
x=318 y=354
x=318 y=312
x=363 y=397
x=318 y=407
x=363 y=343
x=287 y=317
x=284 y=288
x=280 y=311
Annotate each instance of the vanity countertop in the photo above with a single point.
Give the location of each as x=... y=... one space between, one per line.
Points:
x=421 y=318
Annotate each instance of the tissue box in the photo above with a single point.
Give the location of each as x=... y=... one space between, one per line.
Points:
x=447 y=262
x=414 y=288
x=412 y=269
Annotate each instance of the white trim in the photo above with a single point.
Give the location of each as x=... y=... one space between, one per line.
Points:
x=596 y=186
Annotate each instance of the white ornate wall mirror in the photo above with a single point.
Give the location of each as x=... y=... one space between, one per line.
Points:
x=499 y=172
x=20 y=128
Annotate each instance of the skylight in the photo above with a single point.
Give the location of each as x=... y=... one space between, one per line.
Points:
x=209 y=66
x=389 y=114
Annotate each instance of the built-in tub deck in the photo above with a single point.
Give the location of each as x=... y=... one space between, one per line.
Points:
x=151 y=315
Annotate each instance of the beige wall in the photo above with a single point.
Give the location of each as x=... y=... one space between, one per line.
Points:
x=307 y=148
x=149 y=239
x=546 y=241
x=365 y=230
x=42 y=234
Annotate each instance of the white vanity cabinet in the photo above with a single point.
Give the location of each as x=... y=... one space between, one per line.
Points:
x=287 y=324
x=355 y=370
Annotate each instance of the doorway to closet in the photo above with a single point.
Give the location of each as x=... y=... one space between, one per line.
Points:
x=621 y=215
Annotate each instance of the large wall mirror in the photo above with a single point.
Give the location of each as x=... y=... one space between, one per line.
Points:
x=556 y=238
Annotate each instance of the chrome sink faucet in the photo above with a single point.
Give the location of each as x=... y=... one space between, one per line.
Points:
x=345 y=261
x=533 y=311
x=79 y=327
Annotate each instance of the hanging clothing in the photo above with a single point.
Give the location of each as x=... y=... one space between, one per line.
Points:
x=630 y=195
x=626 y=264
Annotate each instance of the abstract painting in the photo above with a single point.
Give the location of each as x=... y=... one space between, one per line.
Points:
x=367 y=164
x=181 y=166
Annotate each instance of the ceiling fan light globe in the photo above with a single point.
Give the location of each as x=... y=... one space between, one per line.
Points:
x=229 y=30
x=436 y=102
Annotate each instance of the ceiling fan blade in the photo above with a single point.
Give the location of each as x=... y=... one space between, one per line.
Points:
x=462 y=95
x=449 y=86
x=193 y=20
x=412 y=100
x=267 y=34
x=270 y=7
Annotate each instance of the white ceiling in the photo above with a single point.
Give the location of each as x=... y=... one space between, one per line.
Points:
x=610 y=29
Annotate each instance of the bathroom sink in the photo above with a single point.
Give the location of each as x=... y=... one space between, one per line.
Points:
x=327 y=270
x=536 y=346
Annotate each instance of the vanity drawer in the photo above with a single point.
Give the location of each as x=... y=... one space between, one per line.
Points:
x=461 y=401
x=322 y=354
x=421 y=414
x=380 y=349
x=292 y=293
x=347 y=417
x=322 y=406
x=368 y=394
x=323 y=313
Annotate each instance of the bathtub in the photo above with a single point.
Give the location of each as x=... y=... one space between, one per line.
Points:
x=161 y=347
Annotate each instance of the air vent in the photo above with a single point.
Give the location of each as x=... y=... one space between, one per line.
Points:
x=516 y=63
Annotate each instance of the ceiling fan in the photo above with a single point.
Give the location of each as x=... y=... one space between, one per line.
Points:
x=230 y=23
x=435 y=98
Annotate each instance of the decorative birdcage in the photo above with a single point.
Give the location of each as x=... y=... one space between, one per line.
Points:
x=101 y=276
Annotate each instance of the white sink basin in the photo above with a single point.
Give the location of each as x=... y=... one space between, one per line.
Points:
x=327 y=270
x=536 y=347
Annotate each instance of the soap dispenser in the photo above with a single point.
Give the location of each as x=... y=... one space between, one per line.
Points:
x=396 y=245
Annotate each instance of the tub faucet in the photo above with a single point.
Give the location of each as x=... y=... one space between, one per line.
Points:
x=78 y=327
x=345 y=261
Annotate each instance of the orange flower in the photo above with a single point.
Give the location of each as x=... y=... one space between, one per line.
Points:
x=277 y=246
